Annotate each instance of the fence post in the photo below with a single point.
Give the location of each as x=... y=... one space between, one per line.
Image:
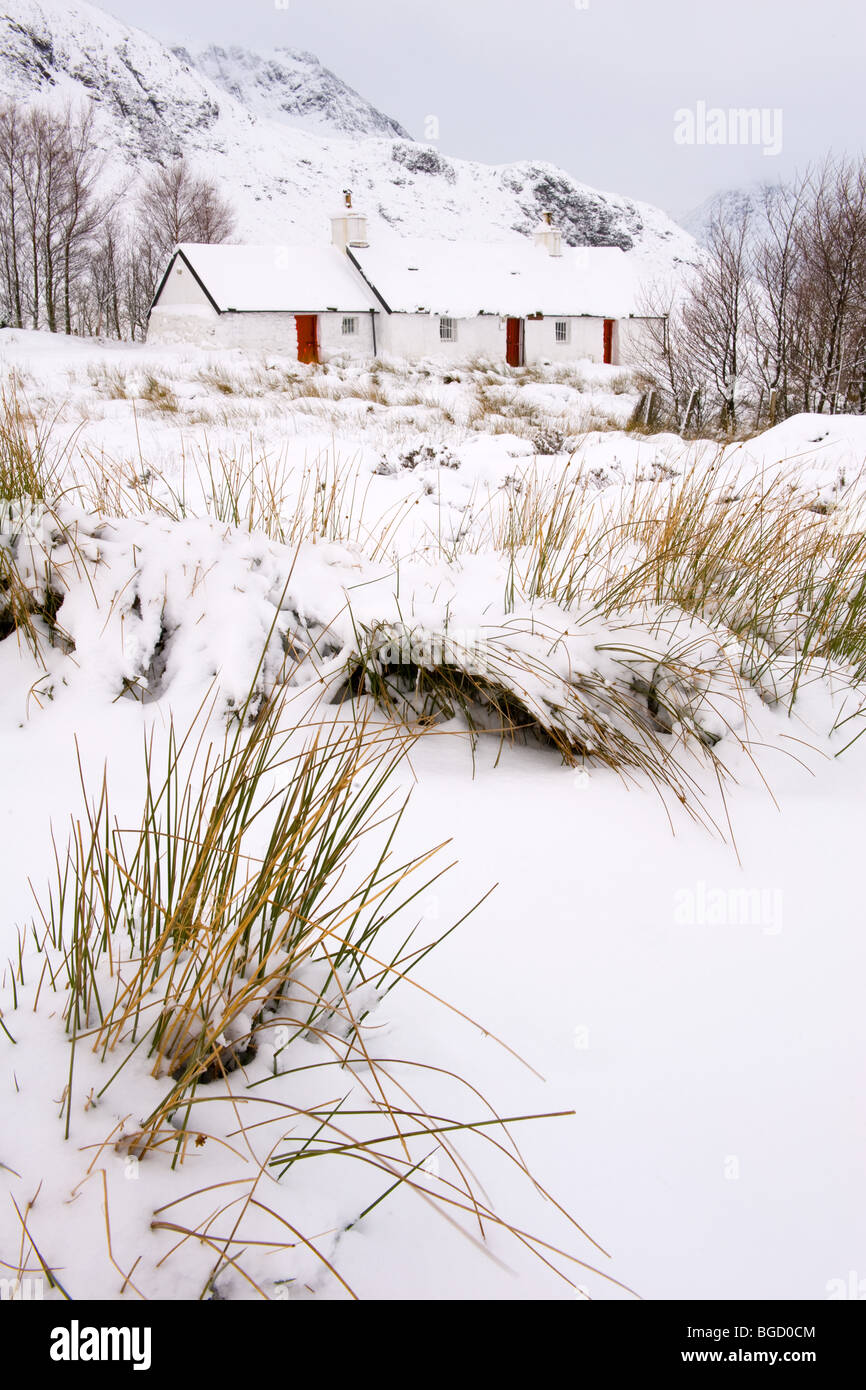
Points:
x=688 y=415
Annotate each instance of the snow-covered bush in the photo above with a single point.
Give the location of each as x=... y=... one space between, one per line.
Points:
x=547 y=439
x=422 y=455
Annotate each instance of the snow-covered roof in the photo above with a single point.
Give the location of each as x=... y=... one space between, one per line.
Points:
x=459 y=278
x=465 y=278
x=292 y=279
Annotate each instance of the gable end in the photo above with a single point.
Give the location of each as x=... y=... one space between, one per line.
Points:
x=197 y=278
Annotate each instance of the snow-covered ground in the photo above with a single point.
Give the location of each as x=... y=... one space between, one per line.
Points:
x=674 y=981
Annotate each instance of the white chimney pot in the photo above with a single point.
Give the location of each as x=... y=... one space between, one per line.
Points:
x=348 y=227
x=548 y=237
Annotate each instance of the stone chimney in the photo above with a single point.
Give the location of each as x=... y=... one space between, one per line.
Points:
x=348 y=228
x=548 y=237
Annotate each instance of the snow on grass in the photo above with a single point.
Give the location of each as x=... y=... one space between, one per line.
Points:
x=621 y=677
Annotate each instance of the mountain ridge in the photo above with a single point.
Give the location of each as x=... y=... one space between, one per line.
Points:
x=285 y=170
x=291 y=83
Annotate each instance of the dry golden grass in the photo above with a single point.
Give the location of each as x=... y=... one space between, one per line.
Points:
x=235 y=916
x=757 y=559
x=159 y=394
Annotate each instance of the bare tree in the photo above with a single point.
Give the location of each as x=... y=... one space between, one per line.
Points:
x=143 y=266
x=107 y=272
x=74 y=255
x=49 y=211
x=175 y=204
x=11 y=214
x=84 y=209
x=777 y=269
x=661 y=354
x=835 y=247
x=775 y=319
x=715 y=310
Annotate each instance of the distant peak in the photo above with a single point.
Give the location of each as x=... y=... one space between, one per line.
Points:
x=295 y=88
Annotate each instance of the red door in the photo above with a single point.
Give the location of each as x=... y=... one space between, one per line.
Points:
x=514 y=342
x=608 y=340
x=308 y=338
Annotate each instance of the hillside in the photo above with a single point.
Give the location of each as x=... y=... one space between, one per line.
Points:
x=294 y=88
x=285 y=136
x=749 y=200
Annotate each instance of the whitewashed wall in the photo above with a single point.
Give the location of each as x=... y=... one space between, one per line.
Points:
x=278 y=333
x=634 y=338
x=184 y=315
x=200 y=324
x=413 y=336
x=585 y=340
x=417 y=335
x=181 y=288
x=332 y=340
x=260 y=332
x=185 y=324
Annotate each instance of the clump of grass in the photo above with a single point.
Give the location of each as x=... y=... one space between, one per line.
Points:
x=331 y=504
x=29 y=467
x=501 y=686
x=235 y=916
x=159 y=394
x=29 y=602
x=755 y=559
x=622 y=383
x=30 y=479
x=260 y=492
x=181 y=934
x=600 y=420
x=18 y=608
x=258 y=489
x=542 y=525
x=109 y=381
x=216 y=378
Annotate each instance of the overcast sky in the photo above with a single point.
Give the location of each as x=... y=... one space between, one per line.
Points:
x=591 y=85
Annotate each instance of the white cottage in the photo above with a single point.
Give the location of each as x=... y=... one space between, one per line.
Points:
x=518 y=302
x=307 y=301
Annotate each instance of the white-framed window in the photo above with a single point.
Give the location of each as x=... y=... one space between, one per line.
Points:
x=448 y=330
x=562 y=330
x=350 y=326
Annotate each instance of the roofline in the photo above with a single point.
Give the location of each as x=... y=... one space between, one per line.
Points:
x=492 y=313
x=368 y=283
x=302 y=312
x=510 y=314
x=202 y=286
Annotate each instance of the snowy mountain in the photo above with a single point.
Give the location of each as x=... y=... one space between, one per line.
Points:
x=294 y=88
x=284 y=136
x=731 y=202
